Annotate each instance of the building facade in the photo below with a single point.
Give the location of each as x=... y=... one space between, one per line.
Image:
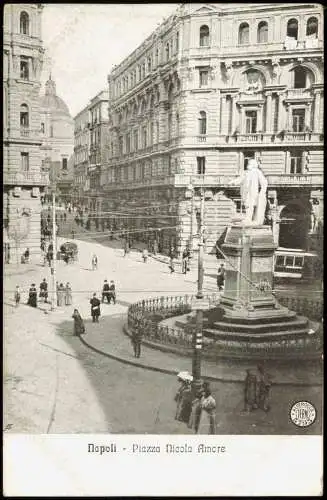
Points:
x=215 y=85
x=91 y=139
x=99 y=140
x=23 y=180
x=57 y=134
x=81 y=155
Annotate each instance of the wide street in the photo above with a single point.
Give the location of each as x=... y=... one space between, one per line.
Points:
x=56 y=384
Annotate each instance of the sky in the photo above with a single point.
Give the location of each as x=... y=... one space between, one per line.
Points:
x=84 y=41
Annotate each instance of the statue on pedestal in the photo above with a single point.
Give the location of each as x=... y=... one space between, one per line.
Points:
x=253 y=193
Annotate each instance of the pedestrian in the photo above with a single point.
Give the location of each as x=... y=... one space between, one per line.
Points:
x=94 y=262
x=79 y=327
x=26 y=256
x=207 y=423
x=264 y=383
x=250 y=392
x=68 y=295
x=17 y=296
x=65 y=217
x=185 y=260
x=126 y=248
x=145 y=255
x=32 y=296
x=221 y=277
x=44 y=290
x=95 y=308
x=155 y=247
x=137 y=339
x=73 y=234
x=112 y=292
x=105 y=292
x=172 y=265
x=194 y=419
x=61 y=295
x=183 y=397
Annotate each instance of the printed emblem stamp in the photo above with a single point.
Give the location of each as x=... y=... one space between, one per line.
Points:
x=303 y=414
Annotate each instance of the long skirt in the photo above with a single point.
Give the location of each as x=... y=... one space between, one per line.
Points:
x=79 y=328
x=60 y=298
x=207 y=423
x=68 y=299
x=32 y=299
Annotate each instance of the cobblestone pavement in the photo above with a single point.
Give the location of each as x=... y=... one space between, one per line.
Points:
x=55 y=384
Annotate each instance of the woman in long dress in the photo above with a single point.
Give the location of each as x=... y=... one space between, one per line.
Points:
x=32 y=296
x=61 y=295
x=79 y=328
x=207 y=423
x=68 y=295
x=184 y=400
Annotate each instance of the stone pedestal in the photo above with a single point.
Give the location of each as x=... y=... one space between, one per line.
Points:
x=249 y=269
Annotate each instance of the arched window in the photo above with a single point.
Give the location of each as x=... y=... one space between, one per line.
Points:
x=157 y=57
x=263 y=32
x=243 y=34
x=143 y=70
x=292 y=28
x=204 y=36
x=202 y=122
x=312 y=27
x=24 y=116
x=167 y=51
x=149 y=64
x=24 y=23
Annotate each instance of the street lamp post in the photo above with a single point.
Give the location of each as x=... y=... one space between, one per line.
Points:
x=54 y=248
x=197 y=334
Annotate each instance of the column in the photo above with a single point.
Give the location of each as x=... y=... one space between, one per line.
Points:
x=223 y=122
x=281 y=122
x=234 y=111
x=268 y=112
x=260 y=119
x=316 y=112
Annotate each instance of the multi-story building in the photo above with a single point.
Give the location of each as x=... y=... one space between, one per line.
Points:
x=23 y=180
x=81 y=154
x=57 y=133
x=91 y=149
x=215 y=85
x=99 y=139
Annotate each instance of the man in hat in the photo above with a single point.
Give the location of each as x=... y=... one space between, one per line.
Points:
x=95 y=308
x=112 y=292
x=105 y=291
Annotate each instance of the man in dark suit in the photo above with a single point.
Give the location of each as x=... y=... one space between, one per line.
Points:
x=105 y=291
x=95 y=308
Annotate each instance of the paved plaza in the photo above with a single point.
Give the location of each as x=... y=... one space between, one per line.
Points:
x=54 y=383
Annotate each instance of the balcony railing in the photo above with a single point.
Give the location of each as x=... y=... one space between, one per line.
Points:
x=24 y=131
x=26 y=178
x=208 y=180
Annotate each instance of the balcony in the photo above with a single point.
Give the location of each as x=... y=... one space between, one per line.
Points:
x=295 y=180
x=24 y=131
x=26 y=178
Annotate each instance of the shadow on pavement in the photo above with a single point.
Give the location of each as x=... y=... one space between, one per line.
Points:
x=135 y=400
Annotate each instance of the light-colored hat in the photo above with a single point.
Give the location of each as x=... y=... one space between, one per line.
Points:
x=185 y=376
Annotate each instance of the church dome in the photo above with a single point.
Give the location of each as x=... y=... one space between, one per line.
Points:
x=51 y=101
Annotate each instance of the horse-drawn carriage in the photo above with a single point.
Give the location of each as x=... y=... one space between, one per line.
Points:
x=68 y=252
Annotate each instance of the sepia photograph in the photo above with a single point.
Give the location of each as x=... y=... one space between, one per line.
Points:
x=163 y=225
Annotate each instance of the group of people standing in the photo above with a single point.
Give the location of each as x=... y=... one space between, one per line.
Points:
x=197 y=410
x=64 y=294
x=257 y=388
x=109 y=292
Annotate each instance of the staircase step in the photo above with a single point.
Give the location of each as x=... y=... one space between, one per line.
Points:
x=268 y=336
x=293 y=323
